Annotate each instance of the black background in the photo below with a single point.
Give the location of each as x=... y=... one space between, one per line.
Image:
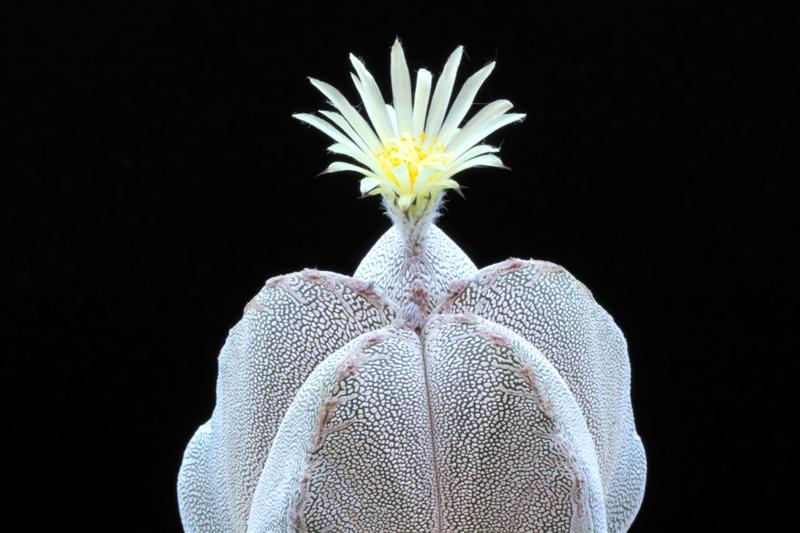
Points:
x=156 y=179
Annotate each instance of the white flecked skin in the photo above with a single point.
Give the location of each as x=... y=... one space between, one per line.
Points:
x=419 y=395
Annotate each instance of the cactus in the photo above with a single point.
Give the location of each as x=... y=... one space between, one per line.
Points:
x=420 y=394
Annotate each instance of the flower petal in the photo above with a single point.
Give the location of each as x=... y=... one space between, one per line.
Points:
x=401 y=88
x=475 y=151
x=442 y=185
x=403 y=179
x=484 y=131
x=371 y=186
x=355 y=119
x=425 y=176
x=480 y=161
x=441 y=95
x=358 y=155
x=487 y=113
x=373 y=100
x=343 y=166
x=463 y=102
x=346 y=128
x=405 y=201
x=422 y=95
x=393 y=120
x=327 y=128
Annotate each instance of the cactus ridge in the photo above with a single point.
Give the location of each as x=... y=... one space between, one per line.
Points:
x=421 y=394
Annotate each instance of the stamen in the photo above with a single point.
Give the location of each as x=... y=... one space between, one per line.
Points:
x=415 y=154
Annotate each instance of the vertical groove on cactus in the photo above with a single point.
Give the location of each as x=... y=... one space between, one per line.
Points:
x=527 y=430
x=346 y=369
x=438 y=524
x=550 y=308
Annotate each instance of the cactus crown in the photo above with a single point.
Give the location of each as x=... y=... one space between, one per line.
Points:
x=409 y=152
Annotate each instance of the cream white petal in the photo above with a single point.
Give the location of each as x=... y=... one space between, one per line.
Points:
x=486 y=160
x=373 y=100
x=401 y=173
x=442 y=93
x=358 y=155
x=355 y=119
x=393 y=120
x=401 y=88
x=475 y=151
x=383 y=129
x=339 y=120
x=426 y=175
x=371 y=186
x=470 y=140
x=342 y=166
x=327 y=128
x=341 y=149
x=439 y=186
x=463 y=102
x=480 y=161
x=405 y=201
x=487 y=113
x=422 y=95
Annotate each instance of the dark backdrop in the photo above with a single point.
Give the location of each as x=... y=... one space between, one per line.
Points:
x=156 y=179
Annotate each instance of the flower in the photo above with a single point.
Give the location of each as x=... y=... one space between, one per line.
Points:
x=409 y=151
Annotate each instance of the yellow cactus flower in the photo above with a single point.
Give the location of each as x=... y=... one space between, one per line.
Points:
x=409 y=152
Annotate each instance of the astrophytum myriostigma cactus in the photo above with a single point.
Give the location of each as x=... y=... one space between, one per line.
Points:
x=421 y=394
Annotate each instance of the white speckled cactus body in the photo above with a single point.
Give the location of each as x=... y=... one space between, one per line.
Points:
x=419 y=395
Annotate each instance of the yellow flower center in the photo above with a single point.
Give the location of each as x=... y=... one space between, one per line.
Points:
x=416 y=154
